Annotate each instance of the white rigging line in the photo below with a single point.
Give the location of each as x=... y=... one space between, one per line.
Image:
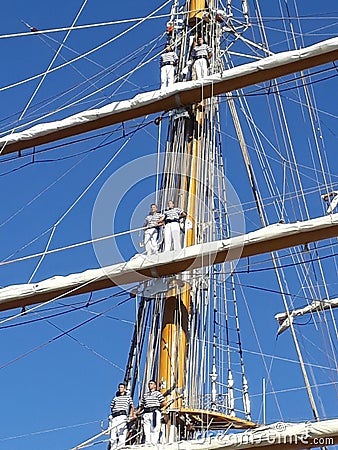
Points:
x=82 y=99
x=320 y=147
x=43 y=254
x=86 y=79
x=52 y=300
x=144 y=61
x=52 y=61
x=89 y=52
x=53 y=183
x=27 y=106
x=79 y=198
x=303 y=209
x=82 y=344
x=51 y=340
x=261 y=353
x=83 y=27
x=77 y=425
x=69 y=105
x=59 y=221
x=282 y=158
x=67 y=247
x=71 y=246
x=29 y=203
x=50 y=430
x=263 y=152
x=280 y=275
x=54 y=226
x=136 y=19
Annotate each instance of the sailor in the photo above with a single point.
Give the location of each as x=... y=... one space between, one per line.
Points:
x=200 y=54
x=168 y=61
x=121 y=407
x=331 y=198
x=152 y=402
x=152 y=230
x=171 y=219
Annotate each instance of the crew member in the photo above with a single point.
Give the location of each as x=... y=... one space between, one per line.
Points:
x=168 y=61
x=152 y=230
x=152 y=402
x=121 y=407
x=172 y=231
x=200 y=54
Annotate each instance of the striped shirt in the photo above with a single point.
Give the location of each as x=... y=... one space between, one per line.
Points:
x=121 y=403
x=152 y=399
x=172 y=215
x=152 y=219
x=201 y=51
x=168 y=58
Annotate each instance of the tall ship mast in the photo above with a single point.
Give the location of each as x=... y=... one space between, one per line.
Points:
x=260 y=223
x=187 y=339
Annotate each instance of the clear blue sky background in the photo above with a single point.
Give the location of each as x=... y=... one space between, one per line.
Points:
x=55 y=386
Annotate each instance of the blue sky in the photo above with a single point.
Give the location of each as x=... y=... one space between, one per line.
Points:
x=55 y=386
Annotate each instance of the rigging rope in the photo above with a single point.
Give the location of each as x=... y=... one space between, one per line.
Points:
x=89 y=52
x=55 y=338
x=52 y=61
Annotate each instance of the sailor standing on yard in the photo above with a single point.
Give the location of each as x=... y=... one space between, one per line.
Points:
x=168 y=61
x=172 y=231
x=152 y=230
x=152 y=402
x=200 y=54
x=121 y=406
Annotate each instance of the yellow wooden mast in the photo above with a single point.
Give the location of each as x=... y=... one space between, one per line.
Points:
x=172 y=360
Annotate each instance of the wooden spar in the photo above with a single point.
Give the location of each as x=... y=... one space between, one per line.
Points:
x=182 y=94
x=140 y=268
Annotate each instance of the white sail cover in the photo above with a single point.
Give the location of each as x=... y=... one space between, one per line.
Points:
x=141 y=267
x=180 y=94
x=285 y=320
x=278 y=435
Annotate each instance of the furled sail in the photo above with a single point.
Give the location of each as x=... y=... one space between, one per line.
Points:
x=141 y=268
x=277 y=435
x=197 y=320
x=181 y=94
x=285 y=320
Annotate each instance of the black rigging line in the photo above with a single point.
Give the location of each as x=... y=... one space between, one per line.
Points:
x=291 y=88
x=106 y=71
x=283 y=266
x=257 y=92
x=248 y=94
x=276 y=291
x=140 y=126
x=73 y=308
x=120 y=128
x=62 y=158
x=61 y=305
x=64 y=333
